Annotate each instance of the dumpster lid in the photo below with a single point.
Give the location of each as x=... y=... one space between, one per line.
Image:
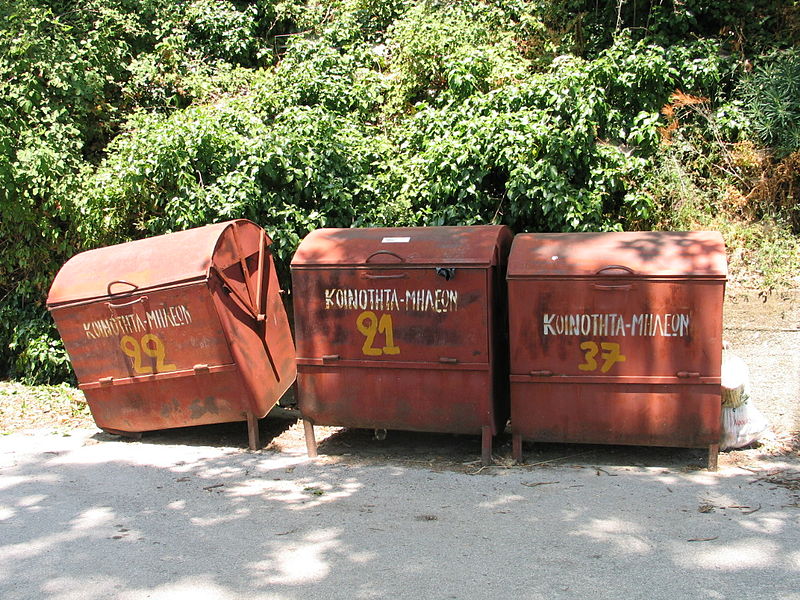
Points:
x=397 y=246
x=152 y=262
x=631 y=253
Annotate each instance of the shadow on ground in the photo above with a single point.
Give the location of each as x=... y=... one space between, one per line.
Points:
x=89 y=517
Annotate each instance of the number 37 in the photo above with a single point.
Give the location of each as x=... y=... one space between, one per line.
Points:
x=610 y=355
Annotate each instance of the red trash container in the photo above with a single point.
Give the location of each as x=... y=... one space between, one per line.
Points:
x=616 y=338
x=403 y=328
x=180 y=329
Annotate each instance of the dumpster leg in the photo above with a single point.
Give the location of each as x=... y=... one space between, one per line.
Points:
x=713 y=457
x=133 y=435
x=252 y=432
x=486 y=445
x=311 y=442
x=516 y=446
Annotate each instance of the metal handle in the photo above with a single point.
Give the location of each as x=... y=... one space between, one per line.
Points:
x=395 y=276
x=260 y=296
x=229 y=287
x=124 y=304
x=616 y=267
x=542 y=373
x=687 y=374
x=134 y=287
x=448 y=360
x=389 y=252
x=623 y=287
x=329 y=357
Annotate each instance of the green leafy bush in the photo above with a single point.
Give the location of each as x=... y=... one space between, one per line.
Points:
x=309 y=168
x=313 y=73
x=771 y=95
x=35 y=353
x=121 y=119
x=439 y=46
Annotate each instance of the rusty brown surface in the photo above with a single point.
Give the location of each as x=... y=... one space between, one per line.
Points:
x=616 y=338
x=399 y=328
x=176 y=330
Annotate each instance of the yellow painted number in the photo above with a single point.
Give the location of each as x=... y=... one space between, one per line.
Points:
x=589 y=363
x=150 y=345
x=369 y=325
x=610 y=355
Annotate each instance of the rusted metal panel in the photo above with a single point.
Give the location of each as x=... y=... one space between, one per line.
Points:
x=390 y=398
x=696 y=254
x=149 y=263
x=406 y=245
x=616 y=337
x=175 y=330
x=402 y=328
x=679 y=415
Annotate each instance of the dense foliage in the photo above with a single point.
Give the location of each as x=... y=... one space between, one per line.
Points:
x=121 y=119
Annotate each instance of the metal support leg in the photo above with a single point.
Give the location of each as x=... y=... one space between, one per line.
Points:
x=133 y=435
x=252 y=432
x=516 y=446
x=713 y=457
x=486 y=445
x=311 y=442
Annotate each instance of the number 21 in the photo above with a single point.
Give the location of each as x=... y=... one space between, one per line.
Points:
x=370 y=326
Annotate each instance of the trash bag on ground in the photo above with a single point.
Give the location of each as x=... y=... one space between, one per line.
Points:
x=742 y=422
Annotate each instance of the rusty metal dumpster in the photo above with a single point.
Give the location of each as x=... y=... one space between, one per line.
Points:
x=181 y=329
x=616 y=338
x=403 y=328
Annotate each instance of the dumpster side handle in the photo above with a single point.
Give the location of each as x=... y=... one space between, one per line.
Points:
x=243 y=265
x=134 y=287
x=389 y=252
x=615 y=268
x=687 y=374
x=131 y=303
x=395 y=276
x=262 y=246
x=232 y=288
x=249 y=309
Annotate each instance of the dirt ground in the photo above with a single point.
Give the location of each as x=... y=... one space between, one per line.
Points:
x=763 y=329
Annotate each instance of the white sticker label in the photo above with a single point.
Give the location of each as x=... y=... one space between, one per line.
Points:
x=396 y=240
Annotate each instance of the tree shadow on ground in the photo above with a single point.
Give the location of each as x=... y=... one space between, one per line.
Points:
x=219 y=434
x=86 y=518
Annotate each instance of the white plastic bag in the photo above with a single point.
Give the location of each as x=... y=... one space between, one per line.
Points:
x=742 y=425
x=735 y=380
x=742 y=422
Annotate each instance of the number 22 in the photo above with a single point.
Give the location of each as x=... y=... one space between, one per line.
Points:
x=150 y=345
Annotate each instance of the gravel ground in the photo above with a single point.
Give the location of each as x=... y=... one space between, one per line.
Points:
x=765 y=332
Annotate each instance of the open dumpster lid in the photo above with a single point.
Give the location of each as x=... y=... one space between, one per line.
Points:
x=398 y=246
x=161 y=260
x=633 y=253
